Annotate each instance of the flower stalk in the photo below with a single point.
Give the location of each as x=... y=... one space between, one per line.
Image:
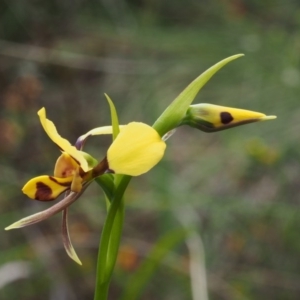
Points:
x=113 y=225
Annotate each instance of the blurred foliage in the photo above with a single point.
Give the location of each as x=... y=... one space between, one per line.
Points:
x=242 y=183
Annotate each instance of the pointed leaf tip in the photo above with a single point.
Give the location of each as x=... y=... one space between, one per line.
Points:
x=35 y=218
x=72 y=254
x=10 y=227
x=114 y=117
x=268 y=118
x=67 y=239
x=24 y=222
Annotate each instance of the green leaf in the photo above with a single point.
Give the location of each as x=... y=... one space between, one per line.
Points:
x=114 y=117
x=176 y=111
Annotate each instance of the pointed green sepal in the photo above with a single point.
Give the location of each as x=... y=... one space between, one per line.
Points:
x=114 y=117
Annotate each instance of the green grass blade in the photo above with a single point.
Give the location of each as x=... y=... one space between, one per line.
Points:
x=139 y=280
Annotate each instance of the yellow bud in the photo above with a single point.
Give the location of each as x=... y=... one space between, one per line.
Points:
x=211 y=118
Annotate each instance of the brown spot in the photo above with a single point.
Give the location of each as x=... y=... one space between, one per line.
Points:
x=101 y=168
x=226 y=117
x=128 y=258
x=81 y=173
x=60 y=183
x=43 y=192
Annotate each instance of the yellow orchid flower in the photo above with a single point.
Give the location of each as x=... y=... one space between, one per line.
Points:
x=134 y=152
x=137 y=148
x=69 y=170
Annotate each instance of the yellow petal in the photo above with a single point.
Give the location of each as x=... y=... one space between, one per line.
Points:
x=62 y=143
x=210 y=117
x=76 y=185
x=46 y=188
x=65 y=166
x=136 y=150
x=99 y=131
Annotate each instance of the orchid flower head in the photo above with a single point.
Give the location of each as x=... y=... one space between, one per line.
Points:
x=137 y=149
x=69 y=169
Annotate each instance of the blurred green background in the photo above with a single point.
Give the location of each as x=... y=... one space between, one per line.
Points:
x=239 y=189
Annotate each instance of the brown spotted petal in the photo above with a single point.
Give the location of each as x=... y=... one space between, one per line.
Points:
x=47 y=213
x=46 y=188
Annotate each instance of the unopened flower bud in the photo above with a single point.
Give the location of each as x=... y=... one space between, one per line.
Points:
x=211 y=118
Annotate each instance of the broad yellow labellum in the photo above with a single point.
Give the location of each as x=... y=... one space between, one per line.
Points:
x=136 y=150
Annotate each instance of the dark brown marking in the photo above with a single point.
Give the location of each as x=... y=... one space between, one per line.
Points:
x=226 y=117
x=81 y=173
x=43 y=192
x=60 y=183
x=100 y=168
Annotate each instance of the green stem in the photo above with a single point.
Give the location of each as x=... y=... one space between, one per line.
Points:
x=110 y=240
x=103 y=291
x=115 y=238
